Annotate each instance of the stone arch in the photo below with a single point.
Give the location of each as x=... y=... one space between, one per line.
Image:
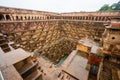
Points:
x=32 y=18
x=76 y=18
x=8 y=17
x=96 y=18
x=28 y=17
x=88 y=17
x=92 y=18
x=17 y=18
x=103 y=19
x=41 y=17
x=73 y=17
x=21 y=18
x=14 y=17
x=100 y=18
x=80 y=17
x=48 y=17
x=37 y=17
x=83 y=17
x=25 y=18
x=1 y=17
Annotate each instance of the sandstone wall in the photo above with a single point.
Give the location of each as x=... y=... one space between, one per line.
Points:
x=53 y=39
x=37 y=30
x=57 y=49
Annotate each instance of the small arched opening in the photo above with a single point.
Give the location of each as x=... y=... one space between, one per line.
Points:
x=86 y=18
x=113 y=38
x=37 y=18
x=21 y=18
x=96 y=18
x=89 y=18
x=47 y=17
x=79 y=18
x=99 y=18
x=8 y=17
x=83 y=17
x=17 y=18
x=92 y=18
x=29 y=18
x=103 y=18
x=25 y=18
x=1 y=17
x=32 y=17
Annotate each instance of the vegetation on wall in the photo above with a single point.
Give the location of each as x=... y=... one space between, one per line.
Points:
x=107 y=7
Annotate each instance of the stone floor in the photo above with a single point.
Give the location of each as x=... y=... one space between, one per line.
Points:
x=75 y=65
x=51 y=72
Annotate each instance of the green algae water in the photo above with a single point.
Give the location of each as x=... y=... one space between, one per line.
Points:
x=61 y=60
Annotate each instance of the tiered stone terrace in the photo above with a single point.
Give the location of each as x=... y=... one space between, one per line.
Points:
x=51 y=34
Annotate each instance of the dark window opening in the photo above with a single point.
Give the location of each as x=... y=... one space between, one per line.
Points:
x=96 y=18
x=7 y=17
x=21 y=18
x=89 y=18
x=83 y=18
x=92 y=18
x=1 y=17
x=32 y=18
x=25 y=18
x=99 y=18
x=29 y=18
x=16 y=17
x=103 y=19
x=113 y=37
x=37 y=17
x=86 y=18
x=80 y=17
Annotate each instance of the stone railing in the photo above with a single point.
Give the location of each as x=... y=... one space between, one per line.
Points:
x=14 y=14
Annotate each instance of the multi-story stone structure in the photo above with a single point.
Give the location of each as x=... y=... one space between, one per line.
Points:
x=52 y=35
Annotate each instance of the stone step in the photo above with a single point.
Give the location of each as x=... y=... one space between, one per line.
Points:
x=27 y=67
x=34 y=75
x=3 y=43
x=6 y=49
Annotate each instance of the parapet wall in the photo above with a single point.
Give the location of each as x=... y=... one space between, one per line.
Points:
x=14 y=14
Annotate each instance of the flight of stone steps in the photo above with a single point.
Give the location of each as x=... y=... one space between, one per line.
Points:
x=106 y=72
x=29 y=69
x=4 y=43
